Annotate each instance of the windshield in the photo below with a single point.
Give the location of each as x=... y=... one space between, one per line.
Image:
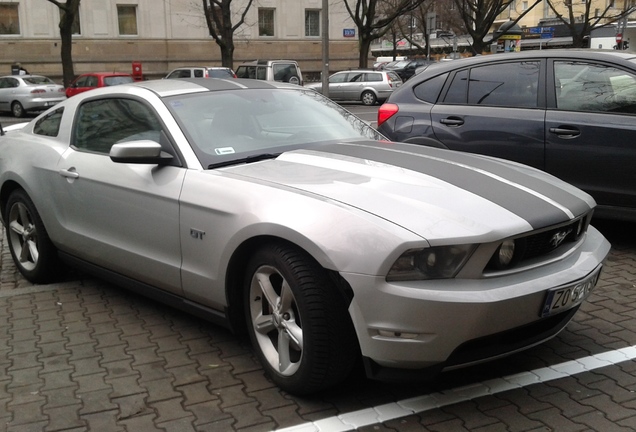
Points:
x=226 y=126
x=116 y=80
x=36 y=80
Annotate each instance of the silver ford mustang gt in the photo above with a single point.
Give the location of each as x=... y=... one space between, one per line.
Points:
x=267 y=208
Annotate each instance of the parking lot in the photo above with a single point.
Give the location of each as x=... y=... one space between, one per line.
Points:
x=86 y=355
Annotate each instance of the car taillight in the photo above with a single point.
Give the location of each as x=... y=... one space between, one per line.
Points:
x=386 y=111
x=36 y=91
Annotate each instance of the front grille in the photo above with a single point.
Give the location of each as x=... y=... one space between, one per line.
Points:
x=542 y=242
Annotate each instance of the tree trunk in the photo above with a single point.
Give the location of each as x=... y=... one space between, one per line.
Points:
x=365 y=46
x=67 y=57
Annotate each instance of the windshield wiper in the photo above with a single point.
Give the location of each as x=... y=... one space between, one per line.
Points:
x=245 y=160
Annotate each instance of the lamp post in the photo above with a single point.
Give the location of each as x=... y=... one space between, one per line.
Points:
x=325 y=48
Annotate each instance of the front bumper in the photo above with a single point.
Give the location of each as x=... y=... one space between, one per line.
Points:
x=432 y=325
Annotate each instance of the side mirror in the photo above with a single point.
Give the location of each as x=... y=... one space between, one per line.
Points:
x=139 y=152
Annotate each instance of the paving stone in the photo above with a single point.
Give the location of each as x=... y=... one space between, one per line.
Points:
x=556 y=421
x=103 y=421
x=153 y=371
x=168 y=410
x=64 y=418
x=161 y=389
x=97 y=401
x=597 y=421
x=207 y=412
x=247 y=414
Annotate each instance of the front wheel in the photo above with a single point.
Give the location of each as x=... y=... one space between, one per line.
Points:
x=298 y=323
x=368 y=98
x=32 y=250
x=17 y=109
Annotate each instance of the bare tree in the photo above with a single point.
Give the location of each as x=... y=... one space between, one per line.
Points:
x=479 y=15
x=218 y=16
x=580 y=18
x=68 y=16
x=373 y=18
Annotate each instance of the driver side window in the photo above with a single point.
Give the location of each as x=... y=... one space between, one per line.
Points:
x=102 y=123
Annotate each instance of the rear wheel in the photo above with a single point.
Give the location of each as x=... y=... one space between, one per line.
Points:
x=17 y=109
x=368 y=98
x=298 y=323
x=32 y=250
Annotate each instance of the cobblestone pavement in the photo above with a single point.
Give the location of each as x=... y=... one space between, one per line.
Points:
x=84 y=355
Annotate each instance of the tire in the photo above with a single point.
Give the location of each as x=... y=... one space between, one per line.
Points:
x=297 y=321
x=32 y=250
x=17 y=109
x=368 y=98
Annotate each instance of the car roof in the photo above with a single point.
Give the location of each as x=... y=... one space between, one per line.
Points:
x=178 y=86
x=106 y=74
x=586 y=54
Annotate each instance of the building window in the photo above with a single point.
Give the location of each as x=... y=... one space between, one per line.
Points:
x=524 y=5
x=127 y=16
x=312 y=23
x=9 y=19
x=266 y=22
x=76 y=29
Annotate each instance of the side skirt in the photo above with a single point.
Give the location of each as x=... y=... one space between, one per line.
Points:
x=213 y=315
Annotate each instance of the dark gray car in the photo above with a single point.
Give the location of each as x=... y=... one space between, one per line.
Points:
x=571 y=113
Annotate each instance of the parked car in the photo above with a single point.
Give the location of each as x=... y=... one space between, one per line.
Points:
x=271 y=70
x=270 y=209
x=571 y=113
x=407 y=68
x=201 y=72
x=368 y=87
x=89 y=81
x=22 y=93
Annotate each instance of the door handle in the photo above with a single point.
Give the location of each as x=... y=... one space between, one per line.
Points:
x=452 y=121
x=69 y=174
x=565 y=132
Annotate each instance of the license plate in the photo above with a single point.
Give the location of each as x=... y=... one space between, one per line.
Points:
x=565 y=297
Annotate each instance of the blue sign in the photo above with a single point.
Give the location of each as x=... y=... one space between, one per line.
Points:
x=349 y=32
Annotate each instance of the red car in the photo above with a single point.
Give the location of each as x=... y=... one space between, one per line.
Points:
x=93 y=80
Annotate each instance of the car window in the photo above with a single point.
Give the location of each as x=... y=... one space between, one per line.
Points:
x=509 y=84
x=283 y=72
x=4 y=83
x=116 y=80
x=246 y=72
x=82 y=82
x=594 y=87
x=457 y=91
x=91 y=81
x=36 y=80
x=11 y=83
x=338 y=78
x=102 y=123
x=49 y=125
x=355 y=77
x=374 y=77
x=198 y=73
x=261 y=73
x=220 y=73
x=429 y=90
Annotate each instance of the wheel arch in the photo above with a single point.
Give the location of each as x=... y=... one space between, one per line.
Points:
x=7 y=188
x=235 y=276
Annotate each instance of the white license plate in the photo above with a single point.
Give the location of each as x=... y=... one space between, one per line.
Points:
x=565 y=297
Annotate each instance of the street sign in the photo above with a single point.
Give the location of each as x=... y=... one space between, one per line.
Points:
x=349 y=32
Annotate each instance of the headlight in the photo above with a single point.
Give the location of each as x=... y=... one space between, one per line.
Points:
x=440 y=262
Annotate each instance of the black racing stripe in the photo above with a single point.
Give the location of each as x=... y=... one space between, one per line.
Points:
x=535 y=210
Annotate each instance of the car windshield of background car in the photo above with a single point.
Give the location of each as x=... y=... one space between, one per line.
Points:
x=36 y=80
x=115 y=80
x=231 y=125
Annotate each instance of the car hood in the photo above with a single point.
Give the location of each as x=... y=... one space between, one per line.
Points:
x=437 y=194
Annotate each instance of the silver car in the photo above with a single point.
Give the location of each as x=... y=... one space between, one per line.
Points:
x=366 y=86
x=22 y=93
x=268 y=208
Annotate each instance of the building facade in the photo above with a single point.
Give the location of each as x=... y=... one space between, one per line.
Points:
x=163 y=34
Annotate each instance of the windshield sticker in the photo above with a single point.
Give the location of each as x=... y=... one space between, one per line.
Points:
x=224 y=151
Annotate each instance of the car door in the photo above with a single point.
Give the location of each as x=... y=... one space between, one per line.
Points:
x=352 y=88
x=494 y=109
x=123 y=217
x=591 y=129
x=336 y=83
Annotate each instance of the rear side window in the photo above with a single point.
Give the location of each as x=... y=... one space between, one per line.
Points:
x=373 y=77
x=49 y=125
x=198 y=73
x=459 y=87
x=508 y=84
x=429 y=90
x=115 y=80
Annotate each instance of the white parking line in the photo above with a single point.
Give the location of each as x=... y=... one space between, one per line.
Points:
x=407 y=407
